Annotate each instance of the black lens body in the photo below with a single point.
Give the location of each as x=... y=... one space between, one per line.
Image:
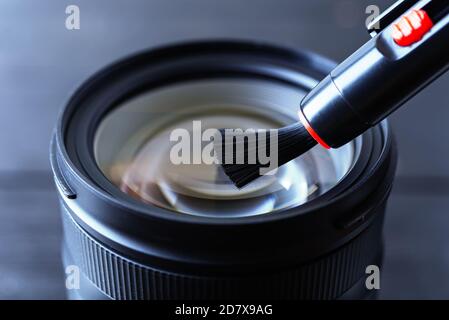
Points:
x=130 y=250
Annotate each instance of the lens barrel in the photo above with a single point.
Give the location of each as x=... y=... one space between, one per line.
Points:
x=128 y=249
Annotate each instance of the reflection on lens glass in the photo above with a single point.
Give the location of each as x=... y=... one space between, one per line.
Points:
x=133 y=148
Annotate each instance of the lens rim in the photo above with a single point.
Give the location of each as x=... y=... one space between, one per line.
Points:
x=88 y=121
x=109 y=216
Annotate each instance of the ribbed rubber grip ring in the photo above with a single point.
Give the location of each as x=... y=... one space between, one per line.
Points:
x=120 y=278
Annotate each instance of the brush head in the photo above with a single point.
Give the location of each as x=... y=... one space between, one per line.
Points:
x=247 y=155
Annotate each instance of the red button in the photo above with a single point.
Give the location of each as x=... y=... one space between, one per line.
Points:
x=411 y=27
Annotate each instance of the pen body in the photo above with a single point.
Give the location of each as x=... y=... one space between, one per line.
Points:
x=373 y=82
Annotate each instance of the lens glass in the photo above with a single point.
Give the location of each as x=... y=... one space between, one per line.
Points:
x=139 y=146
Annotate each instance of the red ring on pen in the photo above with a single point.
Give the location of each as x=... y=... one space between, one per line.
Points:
x=312 y=132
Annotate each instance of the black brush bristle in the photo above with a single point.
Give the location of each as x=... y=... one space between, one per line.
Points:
x=292 y=141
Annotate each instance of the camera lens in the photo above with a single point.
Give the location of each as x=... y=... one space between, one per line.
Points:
x=137 y=158
x=140 y=226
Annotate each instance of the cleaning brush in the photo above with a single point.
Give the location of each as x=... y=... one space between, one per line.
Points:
x=292 y=141
x=408 y=51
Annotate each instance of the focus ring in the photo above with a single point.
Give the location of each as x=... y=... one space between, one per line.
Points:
x=120 y=278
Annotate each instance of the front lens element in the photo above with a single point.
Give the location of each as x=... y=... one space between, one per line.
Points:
x=134 y=150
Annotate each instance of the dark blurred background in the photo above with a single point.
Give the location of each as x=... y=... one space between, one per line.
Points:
x=41 y=63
